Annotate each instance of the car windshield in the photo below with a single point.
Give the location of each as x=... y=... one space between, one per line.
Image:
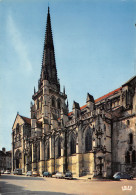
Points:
x=118 y=173
x=68 y=174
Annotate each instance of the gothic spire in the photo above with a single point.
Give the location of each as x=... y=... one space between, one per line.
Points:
x=49 y=71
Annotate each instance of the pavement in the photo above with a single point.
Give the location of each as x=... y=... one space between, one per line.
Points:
x=88 y=178
x=23 y=185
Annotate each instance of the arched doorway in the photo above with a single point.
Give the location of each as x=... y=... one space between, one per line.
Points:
x=18 y=159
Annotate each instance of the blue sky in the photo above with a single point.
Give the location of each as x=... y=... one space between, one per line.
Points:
x=95 y=49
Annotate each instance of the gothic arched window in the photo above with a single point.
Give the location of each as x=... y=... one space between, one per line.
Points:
x=58 y=104
x=130 y=138
x=73 y=146
x=128 y=123
x=17 y=128
x=37 y=104
x=18 y=154
x=38 y=152
x=59 y=147
x=88 y=141
x=134 y=156
x=127 y=157
x=53 y=103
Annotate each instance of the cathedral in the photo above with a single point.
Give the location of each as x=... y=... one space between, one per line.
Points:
x=96 y=139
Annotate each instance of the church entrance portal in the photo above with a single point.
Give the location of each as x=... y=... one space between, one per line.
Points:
x=18 y=159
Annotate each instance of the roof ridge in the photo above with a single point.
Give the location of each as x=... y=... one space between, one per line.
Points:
x=108 y=94
x=100 y=98
x=26 y=119
x=24 y=116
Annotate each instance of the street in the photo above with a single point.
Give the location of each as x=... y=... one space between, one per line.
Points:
x=10 y=184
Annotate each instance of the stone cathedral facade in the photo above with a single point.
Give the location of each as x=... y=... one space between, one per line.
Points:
x=96 y=139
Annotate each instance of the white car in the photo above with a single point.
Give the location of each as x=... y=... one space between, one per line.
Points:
x=7 y=172
x=2 y=171
x=59 y=175
x=29 y=173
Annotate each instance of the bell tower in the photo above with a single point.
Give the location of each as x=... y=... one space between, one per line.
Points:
x=48 y=100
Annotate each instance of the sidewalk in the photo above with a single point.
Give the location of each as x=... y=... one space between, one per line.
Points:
x=88 y=178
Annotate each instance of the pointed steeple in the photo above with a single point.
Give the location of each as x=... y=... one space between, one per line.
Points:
x=49 y=71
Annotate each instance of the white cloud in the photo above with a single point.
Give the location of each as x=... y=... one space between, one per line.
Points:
x=19 y=45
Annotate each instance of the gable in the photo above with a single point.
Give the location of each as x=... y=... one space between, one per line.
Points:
x=19 y=120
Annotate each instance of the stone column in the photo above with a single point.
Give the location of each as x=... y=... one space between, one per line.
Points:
x=12 y=151
x=78 y=159
x=26 y=163
x=95 y=171
x=63 y=158
x=42 y=167
x=23 y=165
x=51 y=167
x=33 y=158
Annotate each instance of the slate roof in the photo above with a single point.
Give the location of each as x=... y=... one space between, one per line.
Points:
x=27 y=120
x=108 y=94
x=101 y=98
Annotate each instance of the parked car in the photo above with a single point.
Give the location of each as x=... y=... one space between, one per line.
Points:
x=29 y=173
x=7 y=172
x=59 y=175
x=47 y=174
x=119 y=175
x=68 y=175
x=35 y=174
x=17 y=172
